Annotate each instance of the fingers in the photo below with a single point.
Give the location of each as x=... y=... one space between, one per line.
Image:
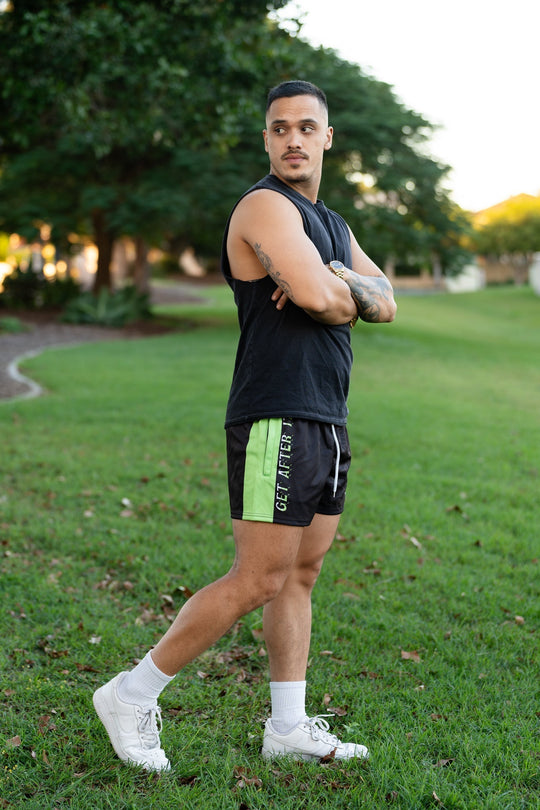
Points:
x=279 y=297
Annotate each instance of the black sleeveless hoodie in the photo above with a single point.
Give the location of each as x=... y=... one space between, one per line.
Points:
x=288 y=364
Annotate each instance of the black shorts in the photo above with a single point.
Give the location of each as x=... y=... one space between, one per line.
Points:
x=287 y=470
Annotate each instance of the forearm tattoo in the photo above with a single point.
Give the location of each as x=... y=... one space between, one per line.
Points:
x=266 y=262
x=369 y=293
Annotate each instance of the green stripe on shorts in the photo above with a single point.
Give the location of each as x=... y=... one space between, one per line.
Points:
x=262 y=453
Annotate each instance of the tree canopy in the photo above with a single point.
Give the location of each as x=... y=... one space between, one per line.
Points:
x=509 y=232
x=143 y=118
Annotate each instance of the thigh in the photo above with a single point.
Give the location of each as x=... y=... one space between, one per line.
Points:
x=265 y=549
x=317 y=539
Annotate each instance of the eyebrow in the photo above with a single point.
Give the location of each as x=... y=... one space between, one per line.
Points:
x=285 y=121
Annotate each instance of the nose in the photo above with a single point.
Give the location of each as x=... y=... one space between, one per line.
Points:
x=295 y=139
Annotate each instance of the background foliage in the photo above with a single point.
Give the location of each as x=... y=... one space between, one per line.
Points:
x=144 y=119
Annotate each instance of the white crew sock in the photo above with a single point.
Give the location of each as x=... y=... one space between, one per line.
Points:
x=288 y=704
x=144 y=684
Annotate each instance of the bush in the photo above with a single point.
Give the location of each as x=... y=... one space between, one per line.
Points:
x=108 y=308
x=22 y=290
x=25 y=289
x=59 y=292
x=12 y=325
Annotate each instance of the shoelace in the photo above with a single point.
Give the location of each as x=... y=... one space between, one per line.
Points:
x=319 y=729
x=149 y=726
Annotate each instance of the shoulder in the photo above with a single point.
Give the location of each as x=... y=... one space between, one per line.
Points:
x=265 y=207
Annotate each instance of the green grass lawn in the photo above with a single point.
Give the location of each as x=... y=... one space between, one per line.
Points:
x=113 y=507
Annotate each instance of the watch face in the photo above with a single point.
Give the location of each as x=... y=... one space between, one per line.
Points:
x=337 y=265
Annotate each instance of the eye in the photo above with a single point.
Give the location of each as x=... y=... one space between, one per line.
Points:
x=279 y=130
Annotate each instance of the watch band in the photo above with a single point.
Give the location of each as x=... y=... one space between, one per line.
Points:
x=337 y=269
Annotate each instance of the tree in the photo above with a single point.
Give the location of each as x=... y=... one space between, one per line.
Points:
x=377 y=173
x=144 y=119
x=98 y=98
x=393 y=195
x=509 y=232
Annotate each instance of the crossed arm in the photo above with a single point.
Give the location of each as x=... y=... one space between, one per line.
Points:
x=266 y=237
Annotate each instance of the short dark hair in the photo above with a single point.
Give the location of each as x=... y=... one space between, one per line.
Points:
x=296 y=88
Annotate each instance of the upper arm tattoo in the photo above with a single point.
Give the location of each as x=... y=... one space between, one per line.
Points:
x=266 y=262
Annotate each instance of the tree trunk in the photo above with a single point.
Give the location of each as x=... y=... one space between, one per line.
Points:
x=104 y=241
x=521 y=263
x=437 y=271
x=390 y=268
x=141 y=269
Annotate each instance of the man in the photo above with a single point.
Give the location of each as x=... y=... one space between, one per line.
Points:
x=300 y=280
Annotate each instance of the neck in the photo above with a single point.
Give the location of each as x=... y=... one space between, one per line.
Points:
x=308 y=188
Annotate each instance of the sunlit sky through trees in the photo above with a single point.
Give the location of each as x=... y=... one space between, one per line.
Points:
x=471 y=67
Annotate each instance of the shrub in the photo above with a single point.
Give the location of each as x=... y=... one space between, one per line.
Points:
x=22 y=289
x=12 y=325
x=25 y=289
x=108 y=308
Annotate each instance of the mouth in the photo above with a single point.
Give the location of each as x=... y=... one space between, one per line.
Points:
x=294 y=157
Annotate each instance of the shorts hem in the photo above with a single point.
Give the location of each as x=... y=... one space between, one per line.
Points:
x=265 y=519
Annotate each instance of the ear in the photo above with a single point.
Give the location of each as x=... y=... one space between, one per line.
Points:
x=329 y=137
x=265 y=136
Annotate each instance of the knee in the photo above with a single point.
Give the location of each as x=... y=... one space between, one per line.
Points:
x=307 y=573
x=258 y=590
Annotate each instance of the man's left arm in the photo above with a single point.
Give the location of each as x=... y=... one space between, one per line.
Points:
x=370 y=289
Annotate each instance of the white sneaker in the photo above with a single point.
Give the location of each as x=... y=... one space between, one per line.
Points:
x=309 y=739
x=133 y=731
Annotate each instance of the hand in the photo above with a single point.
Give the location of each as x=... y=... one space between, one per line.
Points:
x=279 y=297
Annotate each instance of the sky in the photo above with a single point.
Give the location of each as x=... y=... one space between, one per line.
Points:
x=472 y=67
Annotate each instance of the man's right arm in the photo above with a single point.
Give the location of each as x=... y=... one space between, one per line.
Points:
x=266 y=237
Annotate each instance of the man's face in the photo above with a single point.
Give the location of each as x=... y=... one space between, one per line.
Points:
x=296 y=136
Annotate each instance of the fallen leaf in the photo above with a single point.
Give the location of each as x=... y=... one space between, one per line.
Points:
x=14 y=742
x=241 y=774
x=413 y=655
x=86 y=668
x=146 y=617
x=519 y=620
x=44 y=724
x=372 y=569
x=457 y=508
x=416 y=543
x=444 y=763
x=187 y=780
x=337 y=710
x=94 y=640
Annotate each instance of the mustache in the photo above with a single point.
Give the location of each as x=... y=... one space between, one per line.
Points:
x=293 y=153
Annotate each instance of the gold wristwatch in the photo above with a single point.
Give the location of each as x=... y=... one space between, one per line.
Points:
x=337 y=269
